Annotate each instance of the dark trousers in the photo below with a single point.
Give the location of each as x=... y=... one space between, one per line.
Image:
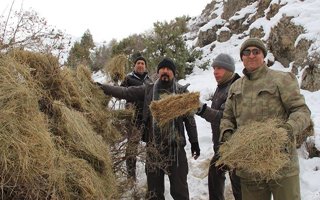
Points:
x=178 y=172
x=216 y=182
x=133 y=137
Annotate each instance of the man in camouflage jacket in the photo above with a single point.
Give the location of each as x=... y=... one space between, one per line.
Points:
x=265 y=93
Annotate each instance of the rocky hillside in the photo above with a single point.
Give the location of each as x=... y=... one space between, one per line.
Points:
x=289 y=28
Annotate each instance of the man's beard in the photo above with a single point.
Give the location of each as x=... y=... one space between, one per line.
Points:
x=165 y=81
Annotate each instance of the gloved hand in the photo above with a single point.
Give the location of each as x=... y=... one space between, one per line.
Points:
x=220 y=167
x=288 y=147
x=98 y=84
x=195 y=150
x=201 y=109
x=226 y=136
x=289 y=130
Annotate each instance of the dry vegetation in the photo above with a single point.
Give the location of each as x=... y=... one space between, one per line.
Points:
x=257 y=148
x=172 y=106
x=55 y=131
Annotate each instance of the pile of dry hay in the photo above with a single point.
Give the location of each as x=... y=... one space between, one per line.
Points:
x=257 y=148
x=116 y=68
x=49 y=121
x=173 y=106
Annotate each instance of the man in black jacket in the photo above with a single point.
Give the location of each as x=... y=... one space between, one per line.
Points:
x=137 y=77
x=223 y=71
x=165 y=146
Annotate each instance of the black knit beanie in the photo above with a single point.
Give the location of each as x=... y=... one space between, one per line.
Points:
x=167 y=62
x=256 y=42
x=140 y=58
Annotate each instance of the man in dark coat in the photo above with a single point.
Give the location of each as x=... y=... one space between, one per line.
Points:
x=165 y=146
x=223 y=71
x=137 y=77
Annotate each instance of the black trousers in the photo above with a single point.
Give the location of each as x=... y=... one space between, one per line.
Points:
x=178 y=172
x=216 y=182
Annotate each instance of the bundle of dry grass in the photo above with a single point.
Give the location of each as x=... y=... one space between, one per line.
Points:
x=27 y=149
x=172 y=106
x=257 y=148
x=116 y=68
x=36 y=164
x=75 y=178
x=75 y=88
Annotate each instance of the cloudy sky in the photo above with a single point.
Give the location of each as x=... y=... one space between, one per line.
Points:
x=107 y=19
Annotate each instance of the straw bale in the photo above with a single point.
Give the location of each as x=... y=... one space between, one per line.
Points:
x=173 y=106
x=116 y=68
x=257 y=148
x=75 y=179
x=79 y=137
x=27 y=149
x=81 y=141
x=75 y=88
x=95 y=105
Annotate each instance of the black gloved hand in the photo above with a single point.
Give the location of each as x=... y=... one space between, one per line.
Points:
x=201 y=109
x=98 y=84
x=195 y=150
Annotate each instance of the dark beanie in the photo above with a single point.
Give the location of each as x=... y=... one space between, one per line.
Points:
x=140 y=58
x=256 y=42
x=224 y=61
x=166 y=62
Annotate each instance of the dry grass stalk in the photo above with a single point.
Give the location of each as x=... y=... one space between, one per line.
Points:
x=116 y=68
x=257 y=148
x=173 y=106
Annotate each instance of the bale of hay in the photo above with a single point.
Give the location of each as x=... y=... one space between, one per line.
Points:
x=173 y=106
x=116 y=68
x=79 y=139
x=257 y=148
x=36 y=164
x=75 y=88
x=76 y=179
x=27 y=150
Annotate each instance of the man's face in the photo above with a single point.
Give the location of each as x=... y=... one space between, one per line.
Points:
x=140 y=67
x=165 y=74
x=218 y=73
x=252 y=58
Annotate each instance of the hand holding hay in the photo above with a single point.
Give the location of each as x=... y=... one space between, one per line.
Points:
x=173 y=106
x=257 y=148
x=116 y=68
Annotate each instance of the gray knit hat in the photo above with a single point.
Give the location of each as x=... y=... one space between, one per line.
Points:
x=256 y=42
x=225 y=61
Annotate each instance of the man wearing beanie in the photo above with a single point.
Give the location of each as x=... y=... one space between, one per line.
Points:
x=164 y=154
x=263 y=93
x=223 y=71
x=137 y=77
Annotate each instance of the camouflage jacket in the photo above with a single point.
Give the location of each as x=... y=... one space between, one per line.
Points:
x=263 y=94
